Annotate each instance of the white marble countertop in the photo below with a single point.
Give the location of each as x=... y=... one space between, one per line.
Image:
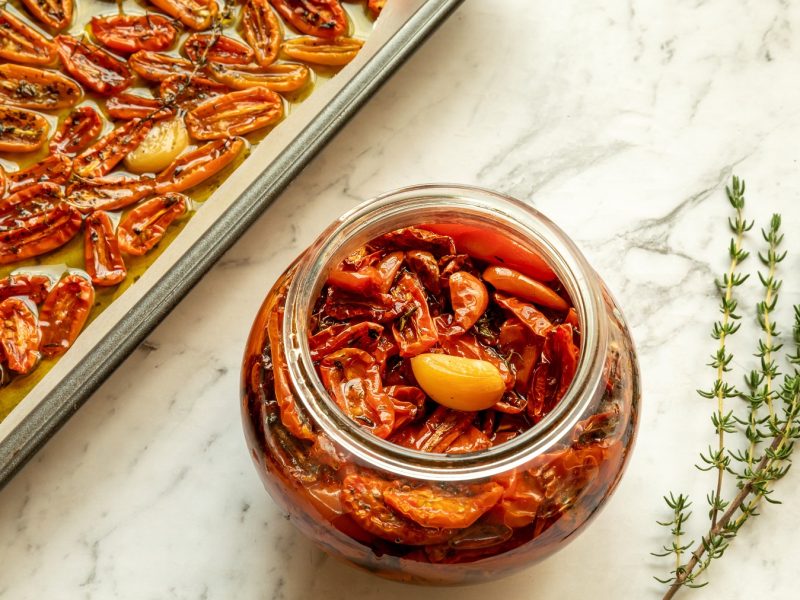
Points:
x=622 y=120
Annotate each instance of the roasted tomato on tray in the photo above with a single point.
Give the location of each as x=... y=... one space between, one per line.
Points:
x=116 y=123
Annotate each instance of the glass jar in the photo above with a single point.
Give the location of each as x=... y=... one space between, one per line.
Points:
x=555 y=476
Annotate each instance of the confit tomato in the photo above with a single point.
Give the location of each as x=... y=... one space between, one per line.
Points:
x=261 y=29
x=19 y=336
x=92 y=66
x=64 y=313
x=321 y=18
x=55 y=14
x=129 y=33
x=235 y=113
x=19 y=42
x=77 y=132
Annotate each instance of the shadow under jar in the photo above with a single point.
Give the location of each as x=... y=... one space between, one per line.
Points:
x=333 y=476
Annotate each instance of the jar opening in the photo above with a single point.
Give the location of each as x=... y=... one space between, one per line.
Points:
x=444 y=204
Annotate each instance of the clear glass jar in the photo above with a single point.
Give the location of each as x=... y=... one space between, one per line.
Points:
x=556 y=475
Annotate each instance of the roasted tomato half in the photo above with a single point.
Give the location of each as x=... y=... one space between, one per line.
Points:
x=19 y=336
x=109 y=193
x=30 y=87
x=19 y=42
x=64 y=313
x=38 y=233
x=235 y=113
x=192 y=168
x=195 y=14
x=21 y=130
x=108 y=151
x=129 y=33
x=319 y=51
x=102 y=258
x=322 y=18
x=262 y=30
x=76 y=132
x=95 y=68
x=281 y=77
x=55 y=14
x=208 y=47
x=145 y=225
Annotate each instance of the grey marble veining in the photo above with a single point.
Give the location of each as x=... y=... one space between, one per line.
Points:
x=622 y=120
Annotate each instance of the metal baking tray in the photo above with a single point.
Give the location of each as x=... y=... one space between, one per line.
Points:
x=231 y=209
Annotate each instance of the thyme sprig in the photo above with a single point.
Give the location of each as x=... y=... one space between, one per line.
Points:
x=769 y=425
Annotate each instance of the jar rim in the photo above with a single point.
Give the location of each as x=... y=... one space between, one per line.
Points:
x=455 y=204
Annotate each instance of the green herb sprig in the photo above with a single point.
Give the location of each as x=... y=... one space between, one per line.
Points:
x=768 y=425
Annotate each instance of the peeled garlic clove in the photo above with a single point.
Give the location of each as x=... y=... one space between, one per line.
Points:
x=460 y=383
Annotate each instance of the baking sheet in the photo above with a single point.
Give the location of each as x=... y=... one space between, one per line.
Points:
x=231 y=209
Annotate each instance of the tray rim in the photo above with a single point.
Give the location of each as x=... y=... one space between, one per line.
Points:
x=34 y=429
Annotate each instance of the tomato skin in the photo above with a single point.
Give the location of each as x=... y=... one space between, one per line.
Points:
x=235 y=113
x=31 y=285
x=38 y=234
x=76 y=132
x=262 y=30
x=92 y=66
x=363 y=336
x=19 y=42
x=414 y=238
x=207 y=47
x=418 y=333
x=495 y=248
x=106 y=193
x=56 y=168
x=19 y=336
x=322 y=18
x=129 y=33
x=335 y=53
x=282 y=77
x=21 y=130
x=523 y=287
x=56 y=14
x=126 y=106
x=102 y=258
x=143 y=227
x=195 y=14
x=456 y=506
x=64 y=313
x=528 y=314
x=196 y=166
x=108 y=151
x=468 y=297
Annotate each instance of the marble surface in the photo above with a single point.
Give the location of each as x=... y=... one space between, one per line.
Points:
x=620 y=119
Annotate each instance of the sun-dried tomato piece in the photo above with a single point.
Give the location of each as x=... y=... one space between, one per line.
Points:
x=352 y=377
x=19 y=336
x=39 y=233
x=523 y=287
x=424 y=265
x=192 y=168
x=21 y=130
x=107 y=193
x=126 y=106
x=522 y=349
x=108 y=151
x=102 y=258
x=31 y=285
x=319 y=51
x=415 y=331
x=76 y=132
x=373 y=275
x=56 y=14
x=362 y=495
x=453 y=506
x=144 y=226
x=472 y=440
x=414 y=238
x=64 y=313
x=129 y=33
x=380 y=309
x=524 y=493
x=92 y=66
x=496 y=248
x=468 y=297
x=468 y=346
x=407 y=401
x=279 y=77
x=528 y=314
x=22 y=43
x=195 y=14
x=262 y=30
x=322 y=18
x=438 y=432
x=553 y=376
x=235 y=113
x=209 y=47
x=363 y=336
x=55 y=168
x=292 y=415
x=155 y=66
